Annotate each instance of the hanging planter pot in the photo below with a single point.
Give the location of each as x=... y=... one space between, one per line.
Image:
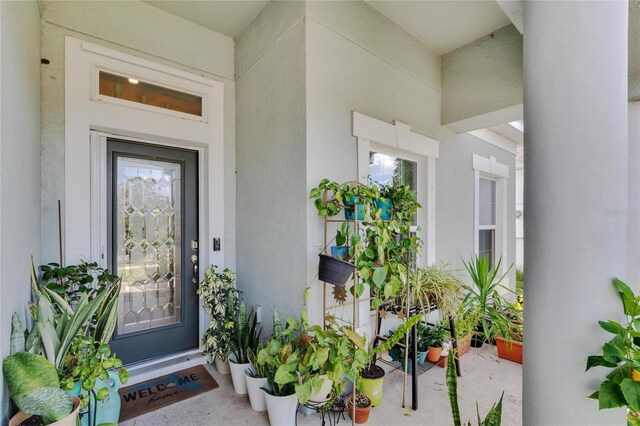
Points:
x=334 y=271
x=350 y=208
x=385 y=204
x=340 y=252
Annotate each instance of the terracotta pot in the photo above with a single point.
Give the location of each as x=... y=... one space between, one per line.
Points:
x=362 y=414
x=433 y=355
x=464 y=345
x=70 y=420
x=509 y=350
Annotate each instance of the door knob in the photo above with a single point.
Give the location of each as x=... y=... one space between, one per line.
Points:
x=194 y=261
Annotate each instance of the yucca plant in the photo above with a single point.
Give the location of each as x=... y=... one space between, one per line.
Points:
x=483 y=295
x=493 y=417
x=246 y=336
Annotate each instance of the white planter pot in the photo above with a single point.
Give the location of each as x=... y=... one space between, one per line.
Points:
x=325 y=390
x=256 y=396
x=281 y=409
x=237 y=375
x=222 y=367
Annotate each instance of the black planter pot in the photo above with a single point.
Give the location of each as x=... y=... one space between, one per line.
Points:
x=477 y=338
x=334 y=271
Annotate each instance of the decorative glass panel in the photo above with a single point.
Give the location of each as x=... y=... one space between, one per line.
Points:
x=148 y=236
x=134 y=90
x=487 y=244
x=487 y=199
x=384 y=168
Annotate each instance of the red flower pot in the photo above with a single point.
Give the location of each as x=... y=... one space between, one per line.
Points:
x=362 y=413
x=509 y=350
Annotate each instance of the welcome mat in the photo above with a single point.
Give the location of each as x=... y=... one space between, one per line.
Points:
x=162 y=391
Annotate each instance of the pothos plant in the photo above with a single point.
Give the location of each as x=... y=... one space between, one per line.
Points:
x=72 y=281
x=85 y=363
x=220 y=299
x=621 y=354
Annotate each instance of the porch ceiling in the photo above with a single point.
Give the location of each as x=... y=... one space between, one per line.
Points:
x=443 y=25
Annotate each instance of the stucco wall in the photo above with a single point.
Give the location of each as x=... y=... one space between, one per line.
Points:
x=483 y=76
x=144 y=31
x=455 y=183
x=19 y=164
x=271 y=166
x=358 y=60
x=634 y=50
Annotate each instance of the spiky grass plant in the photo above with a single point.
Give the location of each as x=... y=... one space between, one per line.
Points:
x=246 y=335
x=436 y=285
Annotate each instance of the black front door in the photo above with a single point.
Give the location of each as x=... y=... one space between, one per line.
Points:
x=153 y=229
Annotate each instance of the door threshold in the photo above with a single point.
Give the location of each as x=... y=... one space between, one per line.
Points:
x=146 y=370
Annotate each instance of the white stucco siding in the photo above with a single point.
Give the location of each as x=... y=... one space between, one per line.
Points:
x=144 y=31
x=271 y=150
x=19 y=164
x=455 y=200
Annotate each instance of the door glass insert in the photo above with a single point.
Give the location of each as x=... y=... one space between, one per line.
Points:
x=148 y=240
x=134 y=90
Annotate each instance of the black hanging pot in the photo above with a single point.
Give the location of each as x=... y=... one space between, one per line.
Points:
x=334 y=271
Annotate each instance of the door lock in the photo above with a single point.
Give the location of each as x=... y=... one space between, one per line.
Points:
x=194 y=261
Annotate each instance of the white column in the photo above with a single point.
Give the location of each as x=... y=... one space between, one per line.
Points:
x=633 y=217
x=576 y=139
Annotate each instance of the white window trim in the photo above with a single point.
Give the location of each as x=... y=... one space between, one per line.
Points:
x=398 y=140
x=490 y=168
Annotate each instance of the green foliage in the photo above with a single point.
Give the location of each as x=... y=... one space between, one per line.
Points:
x=72 y=281
x=493 y=417
x=34 y=386
x=435 y=285
x=621 y=387
x=483 y=295
x=86 y=362
x=220 y=299
x=431 y=336
x=56 y=323
x=17 y=335
x=466 y=319
x=246 y=335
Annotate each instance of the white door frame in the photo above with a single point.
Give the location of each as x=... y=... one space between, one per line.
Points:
x=91 y=119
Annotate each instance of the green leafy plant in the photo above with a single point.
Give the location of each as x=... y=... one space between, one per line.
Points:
x=280 y=357
x=435 y=285
x=621 y=387
x=483 y=295
x=431 y=336
x=220 y=299
x=246 y=335
x=330 y=198
x=85 y=363
x=34 y=386
x=56 y=323
x=493 y=417
x=466 y=320
x=72 y=281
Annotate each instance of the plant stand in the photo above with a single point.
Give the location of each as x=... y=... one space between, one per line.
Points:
x=331 y=410
x=416 y=370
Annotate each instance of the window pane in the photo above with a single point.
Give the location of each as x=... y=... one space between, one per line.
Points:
x=134 y=90
x=384 y=168
x=487 y=244
x=487 y=199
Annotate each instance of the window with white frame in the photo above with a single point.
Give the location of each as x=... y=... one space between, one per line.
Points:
x=384 y=168
x=490 y=208
x=487 y=218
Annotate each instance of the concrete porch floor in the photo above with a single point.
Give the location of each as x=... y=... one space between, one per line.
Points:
x=484 y=377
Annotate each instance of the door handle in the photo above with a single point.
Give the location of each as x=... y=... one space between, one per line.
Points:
x=194 y=261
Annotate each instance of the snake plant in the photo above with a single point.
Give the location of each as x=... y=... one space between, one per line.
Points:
x=246 y=336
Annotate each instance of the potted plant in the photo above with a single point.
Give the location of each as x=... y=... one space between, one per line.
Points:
x=508 y=332
x=279 y=360
x=371 y=381
x=360 y=409
x=35 y=388
x=245 y=338
x=483 y=295
x=434 y=339
x=620 y=388
x=220 y=299
x=92 y=370
x=337 y=268
x=436 y=285
x=256 y=379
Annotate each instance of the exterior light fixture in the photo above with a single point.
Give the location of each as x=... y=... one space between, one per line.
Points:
x=133 y=81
